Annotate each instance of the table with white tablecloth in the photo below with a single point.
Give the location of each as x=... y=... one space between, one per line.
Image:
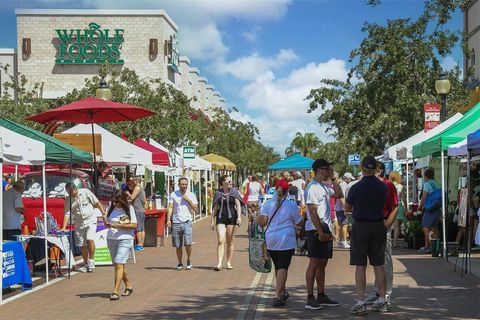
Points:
x=61 y=241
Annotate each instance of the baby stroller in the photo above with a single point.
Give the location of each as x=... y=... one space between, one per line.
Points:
x=301 y=235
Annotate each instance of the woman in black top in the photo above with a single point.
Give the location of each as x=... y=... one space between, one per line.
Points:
x=226 y=217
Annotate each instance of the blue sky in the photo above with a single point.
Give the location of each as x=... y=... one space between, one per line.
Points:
x=263 y=56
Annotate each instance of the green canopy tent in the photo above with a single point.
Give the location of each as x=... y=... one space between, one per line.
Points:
x=56 y=151
x=438 y=146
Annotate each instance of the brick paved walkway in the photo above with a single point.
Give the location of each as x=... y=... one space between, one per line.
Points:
x=425 y=288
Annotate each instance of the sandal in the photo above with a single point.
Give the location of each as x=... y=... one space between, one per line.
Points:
x=114 y=296
x=217 y=268
x=229 y=268
x=127 y=292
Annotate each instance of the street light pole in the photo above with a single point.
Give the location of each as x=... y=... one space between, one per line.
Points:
x=442 y=86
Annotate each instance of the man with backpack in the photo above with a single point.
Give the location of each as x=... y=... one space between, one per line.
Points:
x=431 y=206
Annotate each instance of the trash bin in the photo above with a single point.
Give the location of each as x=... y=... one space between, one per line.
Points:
x=150 y=231
x=436 y=251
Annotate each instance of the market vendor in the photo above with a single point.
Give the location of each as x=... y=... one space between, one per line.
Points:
x=83 y=204
x=13 y=211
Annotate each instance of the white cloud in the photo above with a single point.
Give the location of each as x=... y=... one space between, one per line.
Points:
x=253 y=66
x=277 y=106
x=252 y=34
x=204 y=43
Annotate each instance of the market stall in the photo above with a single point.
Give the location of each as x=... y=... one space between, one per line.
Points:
x=115 y=150
x=437 y=146
x=294 y=162
x=17 y=150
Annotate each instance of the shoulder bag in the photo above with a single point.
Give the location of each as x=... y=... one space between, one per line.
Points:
x=259 y=259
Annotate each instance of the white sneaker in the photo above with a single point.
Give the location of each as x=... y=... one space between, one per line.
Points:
x=341 y=245
x=346 y=245
x=83 y=269
x=371 y=299
x=91 y=264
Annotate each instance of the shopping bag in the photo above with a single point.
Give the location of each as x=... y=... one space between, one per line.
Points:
x=258 y=257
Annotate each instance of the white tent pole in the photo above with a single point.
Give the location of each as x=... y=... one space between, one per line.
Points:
x=1 y=219
x=205 y=187
x=45 y=220
x=444 y=207
x=408 y=190
x=16 y=172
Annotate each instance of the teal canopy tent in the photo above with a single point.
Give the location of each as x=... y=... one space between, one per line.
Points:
x=295 y=162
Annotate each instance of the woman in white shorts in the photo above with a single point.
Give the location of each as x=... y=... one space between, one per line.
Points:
x=121 y=221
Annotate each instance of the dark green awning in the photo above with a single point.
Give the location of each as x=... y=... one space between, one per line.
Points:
x=56 y=151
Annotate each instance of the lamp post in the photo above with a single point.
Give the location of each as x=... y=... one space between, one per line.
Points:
x=103 y=92
x=442 y=86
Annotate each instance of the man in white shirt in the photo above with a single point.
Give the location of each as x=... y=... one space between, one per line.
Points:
x=340 y=212
x=83 y=203
x=13 y=211
x=319 y=228
x=181 y=205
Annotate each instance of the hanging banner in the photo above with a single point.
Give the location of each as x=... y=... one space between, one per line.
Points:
x=432 y=115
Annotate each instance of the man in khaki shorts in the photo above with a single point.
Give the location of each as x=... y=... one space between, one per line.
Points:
x=83 y=204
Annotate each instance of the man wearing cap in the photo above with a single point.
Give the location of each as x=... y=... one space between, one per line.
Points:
x=340 y=212
x=366 y=200
x=319 y=232
x=389 y=215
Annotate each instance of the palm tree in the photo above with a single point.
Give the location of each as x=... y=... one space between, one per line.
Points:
x=306 y=144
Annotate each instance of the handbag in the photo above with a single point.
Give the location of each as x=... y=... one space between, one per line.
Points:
x=259 y=259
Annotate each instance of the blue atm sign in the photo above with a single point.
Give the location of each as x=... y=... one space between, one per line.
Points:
x=354 y=159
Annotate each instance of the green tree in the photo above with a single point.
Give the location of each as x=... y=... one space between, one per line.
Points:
x=306 y=144
x=393 y=76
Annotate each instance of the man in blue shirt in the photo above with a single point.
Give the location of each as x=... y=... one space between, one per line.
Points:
x=366 y=200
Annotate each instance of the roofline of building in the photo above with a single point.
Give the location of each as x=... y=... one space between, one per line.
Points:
x=7 y=51
x=184 y=59
x=216 y=93
x=95 y=12
x=203 y=79
x=194 y=70
x=210 y=87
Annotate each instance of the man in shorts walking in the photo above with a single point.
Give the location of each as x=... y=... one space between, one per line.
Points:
x=366 y=200
x=319 y=228
x=181 y=205
x=83 y=203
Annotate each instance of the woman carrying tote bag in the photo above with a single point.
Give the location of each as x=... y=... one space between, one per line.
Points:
x=281 y=218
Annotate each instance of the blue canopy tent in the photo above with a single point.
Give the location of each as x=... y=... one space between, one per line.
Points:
x=295 y=162
x=473 y=142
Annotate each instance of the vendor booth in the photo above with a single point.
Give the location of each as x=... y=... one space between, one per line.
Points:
x=17 y=150
x=295 y=162
x=437 y=146
x=115 y=150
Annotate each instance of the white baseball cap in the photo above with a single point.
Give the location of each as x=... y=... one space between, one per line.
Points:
x=348 y=175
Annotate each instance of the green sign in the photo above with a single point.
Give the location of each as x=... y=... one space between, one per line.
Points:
x=89 y=46
x=189 y=152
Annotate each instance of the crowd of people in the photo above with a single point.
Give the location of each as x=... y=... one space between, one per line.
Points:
x=360 y=213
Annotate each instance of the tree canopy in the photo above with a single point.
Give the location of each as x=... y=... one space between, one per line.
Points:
x=174 y=124
x=392 y=77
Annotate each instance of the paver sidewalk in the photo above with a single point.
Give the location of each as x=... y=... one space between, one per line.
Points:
x=425 y=288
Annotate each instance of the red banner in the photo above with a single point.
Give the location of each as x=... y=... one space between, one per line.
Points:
x=432 y=115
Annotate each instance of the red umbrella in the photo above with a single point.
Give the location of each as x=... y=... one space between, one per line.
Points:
x=93 y=110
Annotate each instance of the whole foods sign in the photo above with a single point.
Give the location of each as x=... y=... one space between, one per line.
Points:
x=89 y=46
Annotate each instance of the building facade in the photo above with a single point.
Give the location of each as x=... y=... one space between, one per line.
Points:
x=59 y=49
x=472 y=62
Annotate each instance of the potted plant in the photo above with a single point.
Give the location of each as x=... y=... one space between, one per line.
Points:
x=413 y=231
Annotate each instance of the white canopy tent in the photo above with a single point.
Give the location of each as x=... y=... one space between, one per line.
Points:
x=20 y=150
x=115 y=150
x=418 y=138
x=458 y=149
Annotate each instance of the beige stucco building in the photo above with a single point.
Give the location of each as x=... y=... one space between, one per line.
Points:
x=60 y=48
x=472 y=29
